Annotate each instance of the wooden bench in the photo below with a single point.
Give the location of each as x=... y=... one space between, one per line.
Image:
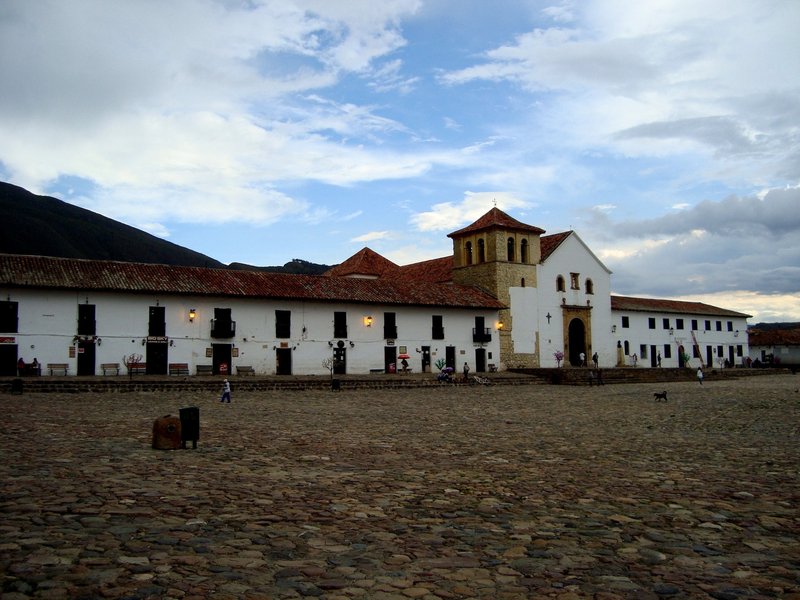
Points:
x=55 y=368
x=376 y=371
x=245 y=370
x=178 y=368
x=205 y=369
x=112 y=368
x=137 y=369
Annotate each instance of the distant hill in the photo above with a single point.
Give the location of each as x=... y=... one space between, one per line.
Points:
x=46 y=226
x=775 y=326
x=295 y=266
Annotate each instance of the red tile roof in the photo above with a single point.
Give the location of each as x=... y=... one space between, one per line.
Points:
x=366 y=263
x=86 y=275
x=774 y=337
x=551 y=242
x=437 y=270
x=496 y=218
x=671 y=306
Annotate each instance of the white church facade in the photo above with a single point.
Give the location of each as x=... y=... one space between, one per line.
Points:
x=508 y=297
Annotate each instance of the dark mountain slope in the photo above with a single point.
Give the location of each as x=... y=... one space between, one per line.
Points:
x=45 y=226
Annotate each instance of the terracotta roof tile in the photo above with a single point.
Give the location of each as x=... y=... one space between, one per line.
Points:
x=496 y=218
x=671 y=306
x=85 y=275
x=774 y=337
x=551 y=242
x=437 y=270
x=365 y=263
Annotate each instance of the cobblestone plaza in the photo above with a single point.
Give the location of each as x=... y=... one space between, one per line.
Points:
x=503 y=492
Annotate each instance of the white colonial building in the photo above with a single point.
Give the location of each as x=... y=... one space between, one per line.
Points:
x=667 y=333
x=508 y=297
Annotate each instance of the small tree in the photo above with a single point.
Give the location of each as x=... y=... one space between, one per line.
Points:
x=440 y=364
x=328 y=364
x=559 y=356
x=131 y=361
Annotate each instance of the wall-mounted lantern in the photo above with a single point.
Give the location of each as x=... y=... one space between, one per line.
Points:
x=192 y=315
x=671 y=331
x=613 y=329
x=368 y=321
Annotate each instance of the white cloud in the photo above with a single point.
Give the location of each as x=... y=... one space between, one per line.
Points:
x=449 y=216
x=718 y=79
x=733 y=246
x=371 y=236
x=138 y=96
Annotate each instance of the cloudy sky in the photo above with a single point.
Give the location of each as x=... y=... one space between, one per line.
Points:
x=666 y=133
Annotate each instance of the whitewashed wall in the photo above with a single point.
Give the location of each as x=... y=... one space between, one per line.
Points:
x=787 y=355
x=48 y=324
x=639 y=333
x=572 y=256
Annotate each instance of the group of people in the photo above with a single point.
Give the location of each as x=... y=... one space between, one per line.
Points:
x=24 y=368
x=446 y=374
x=595 y=360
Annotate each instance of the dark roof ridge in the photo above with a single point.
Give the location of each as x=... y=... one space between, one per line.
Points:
x=496 y=218
x=633 y=303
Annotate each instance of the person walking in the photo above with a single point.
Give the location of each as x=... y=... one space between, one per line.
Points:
x=700 y=375
x=226 y=391
x=596 y=360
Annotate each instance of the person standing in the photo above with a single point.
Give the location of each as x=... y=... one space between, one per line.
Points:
x=226 y=391
x=466 y=371
x=700 y=375
x=658 y=358
x=596 y=360
x=583 y=359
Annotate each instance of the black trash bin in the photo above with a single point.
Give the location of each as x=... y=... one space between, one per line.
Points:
x=17 y=386
x=190 y=425
x=336 y=385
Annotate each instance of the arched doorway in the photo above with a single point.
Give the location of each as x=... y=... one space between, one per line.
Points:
x=577 y=341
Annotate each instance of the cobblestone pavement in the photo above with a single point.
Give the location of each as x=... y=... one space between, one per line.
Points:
x=489 y=492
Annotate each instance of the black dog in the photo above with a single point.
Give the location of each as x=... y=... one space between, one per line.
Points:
x=660 y=396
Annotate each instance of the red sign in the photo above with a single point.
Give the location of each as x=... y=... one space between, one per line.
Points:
x=7 y=340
